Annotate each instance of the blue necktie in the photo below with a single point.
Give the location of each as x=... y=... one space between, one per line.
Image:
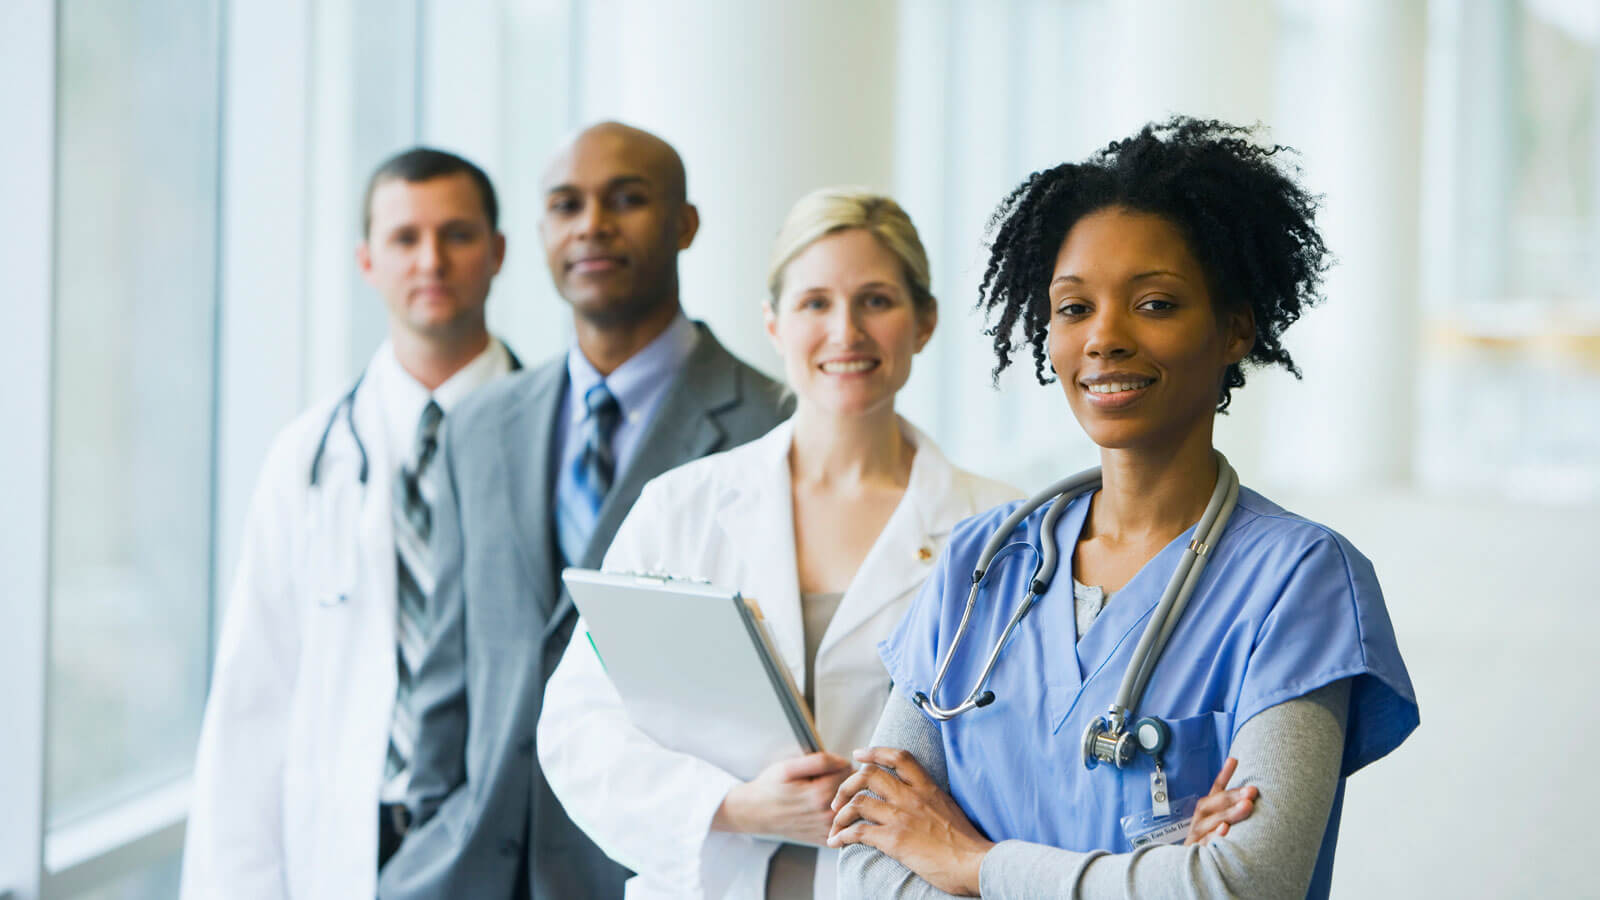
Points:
x=582 y=487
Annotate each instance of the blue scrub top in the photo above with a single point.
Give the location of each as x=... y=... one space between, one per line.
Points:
x=1285 y=606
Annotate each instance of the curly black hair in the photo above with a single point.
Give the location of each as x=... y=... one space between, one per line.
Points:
x=1247 y=222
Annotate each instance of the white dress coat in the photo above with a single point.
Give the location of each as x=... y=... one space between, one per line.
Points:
x=729 y=518
x=296 y=728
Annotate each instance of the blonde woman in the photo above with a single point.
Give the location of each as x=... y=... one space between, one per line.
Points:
x=833 y=520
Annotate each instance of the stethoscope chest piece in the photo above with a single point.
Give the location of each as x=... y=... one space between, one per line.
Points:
x=1107 y=743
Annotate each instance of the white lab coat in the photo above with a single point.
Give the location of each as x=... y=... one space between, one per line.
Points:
x=729 y=518
x=296 y=729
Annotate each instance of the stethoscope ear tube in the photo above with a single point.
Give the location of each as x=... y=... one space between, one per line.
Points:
x=1062 y=493
x=1066 y=488
x=1209 y=541
x=346 y=405
x=1176 y=597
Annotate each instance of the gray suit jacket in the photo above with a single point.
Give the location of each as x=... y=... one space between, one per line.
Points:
x=485 y=809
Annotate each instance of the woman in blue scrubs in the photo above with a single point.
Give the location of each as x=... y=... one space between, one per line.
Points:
x=1144 y=280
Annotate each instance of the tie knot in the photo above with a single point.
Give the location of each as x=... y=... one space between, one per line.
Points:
x=427 y=434
x=428 y=425
x=602 y=404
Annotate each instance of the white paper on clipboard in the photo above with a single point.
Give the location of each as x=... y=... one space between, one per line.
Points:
x=696 y=668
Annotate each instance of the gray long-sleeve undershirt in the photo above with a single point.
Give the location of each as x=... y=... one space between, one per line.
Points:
x=1291 y=752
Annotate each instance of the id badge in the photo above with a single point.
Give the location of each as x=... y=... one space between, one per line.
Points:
x=1148 y=828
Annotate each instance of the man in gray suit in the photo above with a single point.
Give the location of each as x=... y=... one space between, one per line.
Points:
x=541 y=468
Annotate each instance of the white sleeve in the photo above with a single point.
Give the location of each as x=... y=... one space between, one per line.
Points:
x=647 y=807
x=233 y=845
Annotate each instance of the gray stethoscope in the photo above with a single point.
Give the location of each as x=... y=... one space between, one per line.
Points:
x=1106 y=740
x=346 y=407
x=330 y=532
x=334 y=576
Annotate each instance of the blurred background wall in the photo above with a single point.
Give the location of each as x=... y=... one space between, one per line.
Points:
x=182 y=185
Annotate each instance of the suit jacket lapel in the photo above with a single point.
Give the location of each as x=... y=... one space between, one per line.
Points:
x=683 y=428
x=528 y=443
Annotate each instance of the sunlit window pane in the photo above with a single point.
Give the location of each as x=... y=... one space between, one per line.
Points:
x=133 y=408
x=1510 y=377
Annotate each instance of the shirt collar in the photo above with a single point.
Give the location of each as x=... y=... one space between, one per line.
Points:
x=404 y=396
x=640 y=376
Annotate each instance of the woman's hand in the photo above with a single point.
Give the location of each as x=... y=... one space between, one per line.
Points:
x=1221 y=808
x=789 y=799
x=908 y=817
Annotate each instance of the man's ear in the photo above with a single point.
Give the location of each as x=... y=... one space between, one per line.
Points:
x=364 y=260
x=497 y=243
x=688 y=225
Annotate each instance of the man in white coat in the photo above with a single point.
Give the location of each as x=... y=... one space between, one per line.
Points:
x=304 y=754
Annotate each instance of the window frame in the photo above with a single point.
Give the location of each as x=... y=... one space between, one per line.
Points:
x=27 y=175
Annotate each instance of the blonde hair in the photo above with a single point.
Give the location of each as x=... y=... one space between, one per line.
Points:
x=833 y=209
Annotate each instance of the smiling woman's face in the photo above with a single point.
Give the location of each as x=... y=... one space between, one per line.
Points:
x=846 y=325
x=1134 y=334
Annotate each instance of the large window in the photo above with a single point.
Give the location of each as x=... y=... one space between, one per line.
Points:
x=188 y=177
x=1512 y=247
x=134 y=386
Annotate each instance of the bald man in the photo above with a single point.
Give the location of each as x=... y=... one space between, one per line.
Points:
x=540 y=469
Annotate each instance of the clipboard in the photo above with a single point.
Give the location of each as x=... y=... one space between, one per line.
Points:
x=696 y=668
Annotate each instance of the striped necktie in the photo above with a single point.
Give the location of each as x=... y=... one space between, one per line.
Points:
x=413 y=523
x=582 y=488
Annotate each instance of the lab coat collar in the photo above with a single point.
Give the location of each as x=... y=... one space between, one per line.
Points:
x=903 y=555
x=761 y=514
x=377 y=519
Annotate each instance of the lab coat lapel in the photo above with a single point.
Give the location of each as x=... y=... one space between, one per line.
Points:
x=759 y=525
x=377 y=515
x=903 y=555
x=362 y=664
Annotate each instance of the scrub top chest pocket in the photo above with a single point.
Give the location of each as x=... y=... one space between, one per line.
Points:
x=1190 y=763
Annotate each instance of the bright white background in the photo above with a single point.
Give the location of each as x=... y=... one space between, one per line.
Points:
x=182 y=183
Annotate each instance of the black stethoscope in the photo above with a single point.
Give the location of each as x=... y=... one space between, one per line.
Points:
x=347 y=407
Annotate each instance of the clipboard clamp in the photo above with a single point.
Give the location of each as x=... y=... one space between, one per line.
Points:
x=660 y=577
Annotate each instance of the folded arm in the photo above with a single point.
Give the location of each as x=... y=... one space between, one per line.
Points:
x=1291 y=752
